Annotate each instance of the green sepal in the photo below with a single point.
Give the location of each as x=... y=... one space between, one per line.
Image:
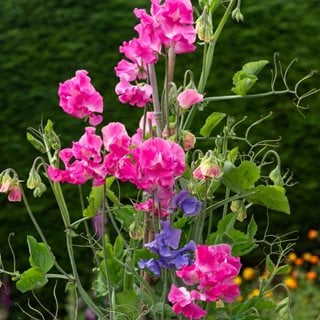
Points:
x=38 y=145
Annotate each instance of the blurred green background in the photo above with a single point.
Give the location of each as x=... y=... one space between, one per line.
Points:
x=43 y=43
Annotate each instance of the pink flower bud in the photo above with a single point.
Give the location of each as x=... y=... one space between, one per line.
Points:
x=188 y=141
x=189 y=97
x=14 y=194
x=208 y=168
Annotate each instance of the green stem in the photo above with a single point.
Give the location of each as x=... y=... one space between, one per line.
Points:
x=57 y=276
x=155 y=99
x=257 y=95
x=39 y=230
x=224 y=201
x=56 y=187
x=86 y=298
x=107 y=276
x=208 y=59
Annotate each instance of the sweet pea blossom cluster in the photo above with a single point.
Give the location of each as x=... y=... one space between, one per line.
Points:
x=152 y=165
x=213 y=273
x=169 y=25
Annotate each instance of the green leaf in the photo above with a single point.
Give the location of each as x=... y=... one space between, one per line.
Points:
x=118 y=246
x=127 y=303
x=100 y=286
x=269 y=264
x=275 y=176
x=232 y=155
x=272 y=197
x=159 y=307
x=244 y=79
x=40 y=256
x=38 y=145
x=241 y=178
x=240 y=242
x=243 y=83
x=253 y=68
x=252 y=228
x=95 y=201
x=212 y=121
x=283 y=269
x=31 y=279
x=256 y=302
x=125 y=215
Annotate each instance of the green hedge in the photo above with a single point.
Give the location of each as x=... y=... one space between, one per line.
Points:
x=44 y=42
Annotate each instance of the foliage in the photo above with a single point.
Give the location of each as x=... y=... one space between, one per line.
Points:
x=276 y=200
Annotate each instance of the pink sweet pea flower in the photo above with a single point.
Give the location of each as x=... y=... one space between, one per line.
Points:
x=79 y=98
x=189 y=97
x=116 y=138
x=82 y=162
x=183 y=302
x=213 y=271
x=139 y=52
x=175 y=21
x=138 y=95
x=129 y=70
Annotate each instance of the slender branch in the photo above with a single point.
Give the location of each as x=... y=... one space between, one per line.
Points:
x=258 y=95
x=155 y=99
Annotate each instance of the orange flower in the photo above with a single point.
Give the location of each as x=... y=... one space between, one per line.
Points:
x=291 y=283
x=312 y=234
x=298 y=262
x=314 y=259
x=311 y=275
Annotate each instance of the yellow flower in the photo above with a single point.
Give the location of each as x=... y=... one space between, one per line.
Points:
x=248 y=273
x=253 y=293
x=292 y=257
x=306 y=256
x=290 y=282
x=237 y=280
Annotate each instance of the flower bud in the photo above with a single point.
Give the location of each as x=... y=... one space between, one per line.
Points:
x=39 y=190
x=34 y=179
x=239 y=207
x=171 y=132
x=14 y=194
x=136 y=230
x=208 y=168
x=5 y=183
x=237 y=15
x=204 y=28
x=188 y=140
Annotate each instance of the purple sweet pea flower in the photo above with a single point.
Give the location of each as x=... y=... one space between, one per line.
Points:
x=187 y=203
x=165 y=245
